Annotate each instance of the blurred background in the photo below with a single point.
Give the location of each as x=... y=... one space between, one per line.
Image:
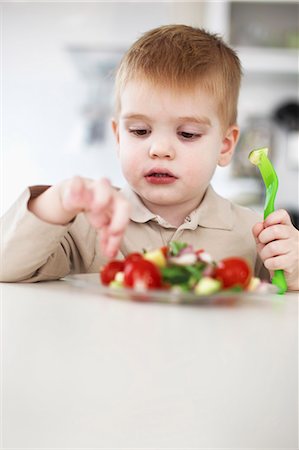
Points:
x=56 y=88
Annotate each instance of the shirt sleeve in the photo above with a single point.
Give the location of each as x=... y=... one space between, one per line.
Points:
x=34 y=250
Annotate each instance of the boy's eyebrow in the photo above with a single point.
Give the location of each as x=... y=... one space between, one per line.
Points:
x=201 y=120
x=134 y=116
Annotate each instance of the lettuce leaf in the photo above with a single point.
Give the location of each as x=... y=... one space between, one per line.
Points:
x=189 y=275
x=175 y=247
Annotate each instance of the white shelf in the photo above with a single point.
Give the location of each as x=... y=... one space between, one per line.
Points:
x=255 y=59
x=269 y=60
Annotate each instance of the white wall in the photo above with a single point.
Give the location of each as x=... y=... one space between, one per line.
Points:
x=43 y=93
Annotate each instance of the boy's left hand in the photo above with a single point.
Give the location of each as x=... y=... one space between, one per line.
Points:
x=278 y=246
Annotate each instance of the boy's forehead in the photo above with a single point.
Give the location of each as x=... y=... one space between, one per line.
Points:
x=142 y=97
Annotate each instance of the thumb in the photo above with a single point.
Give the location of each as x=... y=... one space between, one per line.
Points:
x=256 y=230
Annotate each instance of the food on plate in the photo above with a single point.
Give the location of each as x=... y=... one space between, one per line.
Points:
x=233 y=271
x=179 y=267
x=142 y=274
x=109 y=271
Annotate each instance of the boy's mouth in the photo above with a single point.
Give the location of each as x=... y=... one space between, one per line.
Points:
x=160 y=176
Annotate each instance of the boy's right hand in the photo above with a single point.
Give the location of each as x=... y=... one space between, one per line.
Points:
x=106 y=208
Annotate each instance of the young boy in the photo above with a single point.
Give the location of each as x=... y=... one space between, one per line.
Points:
x=175 y=121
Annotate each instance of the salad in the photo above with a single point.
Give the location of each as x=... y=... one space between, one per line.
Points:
x=179 y=267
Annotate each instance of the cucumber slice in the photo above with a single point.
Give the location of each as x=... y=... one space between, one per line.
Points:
x=207 y=285
x=256 y=155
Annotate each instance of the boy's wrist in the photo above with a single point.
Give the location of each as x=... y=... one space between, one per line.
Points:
x=48 y=206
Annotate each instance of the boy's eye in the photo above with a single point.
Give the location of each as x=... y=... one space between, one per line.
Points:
x=187 y=135
x=139 y=131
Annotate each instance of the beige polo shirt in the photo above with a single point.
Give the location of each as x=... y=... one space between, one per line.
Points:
x=33 y=250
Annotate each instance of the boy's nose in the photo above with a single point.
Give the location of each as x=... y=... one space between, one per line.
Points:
x=161 y=150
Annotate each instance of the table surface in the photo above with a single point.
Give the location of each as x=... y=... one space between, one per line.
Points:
x=80 y=370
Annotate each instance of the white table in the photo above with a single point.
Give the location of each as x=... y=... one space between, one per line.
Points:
x=81 y=370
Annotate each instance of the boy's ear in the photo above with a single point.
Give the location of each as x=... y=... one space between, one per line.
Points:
x=115 y=130
x=228 y=145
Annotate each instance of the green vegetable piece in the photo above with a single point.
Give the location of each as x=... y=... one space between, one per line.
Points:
x=175 y=247
x=115 y=284
x=180 y=288
x=196 y=270
x=175 y=274
x=256 y=156
x=236 y=288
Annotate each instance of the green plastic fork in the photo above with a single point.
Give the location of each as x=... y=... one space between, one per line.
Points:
x=259 y=157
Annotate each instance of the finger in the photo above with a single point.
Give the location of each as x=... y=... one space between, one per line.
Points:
x=76 y=195
x=280 y=216
x=99 y=219
x=275 y=248
x=116 y=228
x=99 y=213
x=256 y=230
x=109 y=243
x=102 y=195
x=274 y=232
x=277 y=262
x=120 y=215
x=113 y=231
x=112 y=245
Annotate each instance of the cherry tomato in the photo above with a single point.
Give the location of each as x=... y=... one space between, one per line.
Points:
x=164 y=250
x=133 y=257
x=233 y=272
x=108 y=272
x=142 y=274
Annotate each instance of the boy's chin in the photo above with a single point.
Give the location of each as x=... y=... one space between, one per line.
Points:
x=161 y=199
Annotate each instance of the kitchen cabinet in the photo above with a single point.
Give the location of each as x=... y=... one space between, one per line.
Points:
x=266 y=37
x=264 y=33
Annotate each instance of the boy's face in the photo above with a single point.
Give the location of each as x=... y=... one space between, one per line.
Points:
x=169 y=143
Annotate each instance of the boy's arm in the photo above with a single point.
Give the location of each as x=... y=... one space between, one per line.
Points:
x=43 y=242
x=277 y=243
x=32 y=250
x=105 y=207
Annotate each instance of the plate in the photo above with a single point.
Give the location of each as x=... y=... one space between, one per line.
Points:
x=91 y=283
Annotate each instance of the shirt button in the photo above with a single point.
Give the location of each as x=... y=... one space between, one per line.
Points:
x=188 y=219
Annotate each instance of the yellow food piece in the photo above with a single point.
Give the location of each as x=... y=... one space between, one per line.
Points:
x=157 y=257
x=207 y=285
x=253 y=284
x=255 y=155
x=115 y=284
x=119 y=277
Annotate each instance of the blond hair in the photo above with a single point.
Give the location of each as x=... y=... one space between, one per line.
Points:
x=184 y=58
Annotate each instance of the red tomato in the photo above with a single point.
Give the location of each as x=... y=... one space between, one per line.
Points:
x=164 y=250
x=233 y=272
x=133 y=257
x=142 y=274
x=108 y=272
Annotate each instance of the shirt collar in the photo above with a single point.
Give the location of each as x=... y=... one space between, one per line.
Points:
x=139 y=212
x=213 y=212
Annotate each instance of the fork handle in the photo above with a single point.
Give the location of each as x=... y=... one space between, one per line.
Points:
x=280 y=281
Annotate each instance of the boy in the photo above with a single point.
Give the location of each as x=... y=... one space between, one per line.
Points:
x=175 y=121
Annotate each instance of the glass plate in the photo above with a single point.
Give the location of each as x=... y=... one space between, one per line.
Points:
x=91 y=283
